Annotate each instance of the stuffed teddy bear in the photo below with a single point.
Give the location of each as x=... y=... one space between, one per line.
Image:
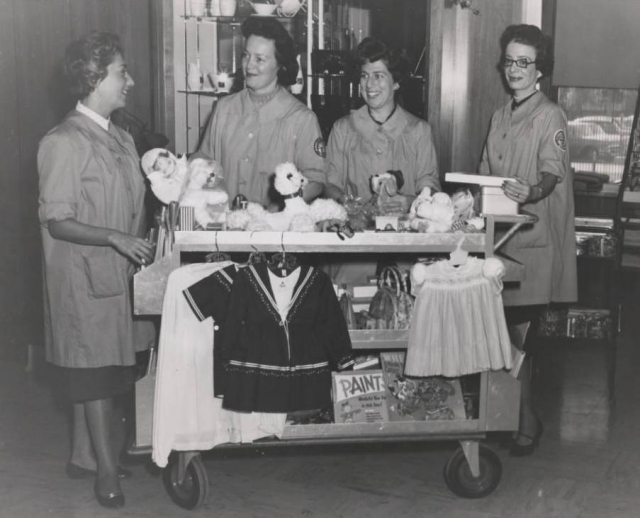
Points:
x=297 y=216
x=206 y=192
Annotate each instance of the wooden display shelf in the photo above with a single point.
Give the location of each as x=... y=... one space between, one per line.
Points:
x=150 y=282
x=391 y=429
x=323 y=242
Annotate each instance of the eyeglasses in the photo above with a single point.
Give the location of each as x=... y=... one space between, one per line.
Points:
x=520 y=63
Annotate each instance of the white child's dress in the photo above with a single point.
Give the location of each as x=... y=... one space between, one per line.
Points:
x=458 y=325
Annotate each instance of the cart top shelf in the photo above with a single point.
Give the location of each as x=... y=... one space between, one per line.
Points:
x=318 y=242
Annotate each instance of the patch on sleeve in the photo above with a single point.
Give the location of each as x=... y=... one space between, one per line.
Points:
x=560 y=139
x=320 y=147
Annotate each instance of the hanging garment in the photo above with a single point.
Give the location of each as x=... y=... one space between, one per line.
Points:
x=186 y=416
x=278 y=364
x=458 y=325
x=209 y=298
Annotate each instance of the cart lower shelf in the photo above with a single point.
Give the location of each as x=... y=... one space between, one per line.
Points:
x=473 y=471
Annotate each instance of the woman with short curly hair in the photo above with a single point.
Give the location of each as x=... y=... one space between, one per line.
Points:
x=92 y=226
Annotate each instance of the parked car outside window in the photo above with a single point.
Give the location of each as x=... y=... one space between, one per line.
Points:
x=596 y=138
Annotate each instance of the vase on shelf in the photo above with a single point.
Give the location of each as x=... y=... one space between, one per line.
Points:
x=228 y=7
x=194 y=77
x=297 y=87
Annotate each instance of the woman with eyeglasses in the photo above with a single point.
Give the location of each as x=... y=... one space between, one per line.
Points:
x=527 y=142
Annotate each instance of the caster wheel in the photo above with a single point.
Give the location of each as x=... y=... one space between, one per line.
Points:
x=460 y=481
x=193 y=490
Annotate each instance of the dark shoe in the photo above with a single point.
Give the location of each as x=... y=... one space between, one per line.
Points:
x=111 y=501
x=77 y=472
x=524 y=450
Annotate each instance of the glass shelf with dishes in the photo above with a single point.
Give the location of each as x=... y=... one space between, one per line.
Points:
x=207 y=50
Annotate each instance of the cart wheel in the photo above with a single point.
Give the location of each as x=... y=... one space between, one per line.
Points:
x=460 y=481
x=194 y=488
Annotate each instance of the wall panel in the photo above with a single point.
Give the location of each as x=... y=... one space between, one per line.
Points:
x=464 y=85
x=9 y=172
x=33 y=36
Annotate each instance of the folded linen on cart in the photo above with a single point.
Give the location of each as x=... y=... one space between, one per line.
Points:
x=186 y=415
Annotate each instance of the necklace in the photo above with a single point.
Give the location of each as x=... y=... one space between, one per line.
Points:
x=516 y=103
x=388 y=117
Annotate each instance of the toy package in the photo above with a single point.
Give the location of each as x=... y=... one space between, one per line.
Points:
x=419 y=399
x=359 y=397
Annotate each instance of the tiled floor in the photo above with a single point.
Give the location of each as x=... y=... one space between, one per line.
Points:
x=586 y=467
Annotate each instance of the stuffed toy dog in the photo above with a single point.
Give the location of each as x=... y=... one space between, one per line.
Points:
x=385 y=186
x=297 y=216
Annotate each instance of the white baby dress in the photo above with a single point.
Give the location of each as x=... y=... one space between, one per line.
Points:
x=458 y=325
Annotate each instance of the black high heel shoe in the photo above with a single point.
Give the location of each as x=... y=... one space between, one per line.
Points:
x=524 y=450
x=111 y=501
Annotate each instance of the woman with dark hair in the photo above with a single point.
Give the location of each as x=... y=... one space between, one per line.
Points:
x=252 y=131
x=381 y=136
x=527 y=143
x=92 y=225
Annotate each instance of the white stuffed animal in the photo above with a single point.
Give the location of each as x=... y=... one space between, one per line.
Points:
x=297 y=215
x=166 y=173
x=206 y=192
x=431 y=213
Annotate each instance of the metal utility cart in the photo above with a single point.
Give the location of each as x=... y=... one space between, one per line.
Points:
x=473 y=471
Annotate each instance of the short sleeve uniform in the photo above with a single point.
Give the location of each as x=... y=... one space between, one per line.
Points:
x=249 y=141
x=358 y=148
x=523 y=143
x=93 y=176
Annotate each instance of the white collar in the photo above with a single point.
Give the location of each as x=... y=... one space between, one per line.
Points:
x=99 y=119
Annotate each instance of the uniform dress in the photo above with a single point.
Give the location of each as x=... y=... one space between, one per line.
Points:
x=358 y=148
x=210 y=297
x=523 y=143
x=249 y=140
x=92 y=175
x=458 y=325
x=278 y=364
